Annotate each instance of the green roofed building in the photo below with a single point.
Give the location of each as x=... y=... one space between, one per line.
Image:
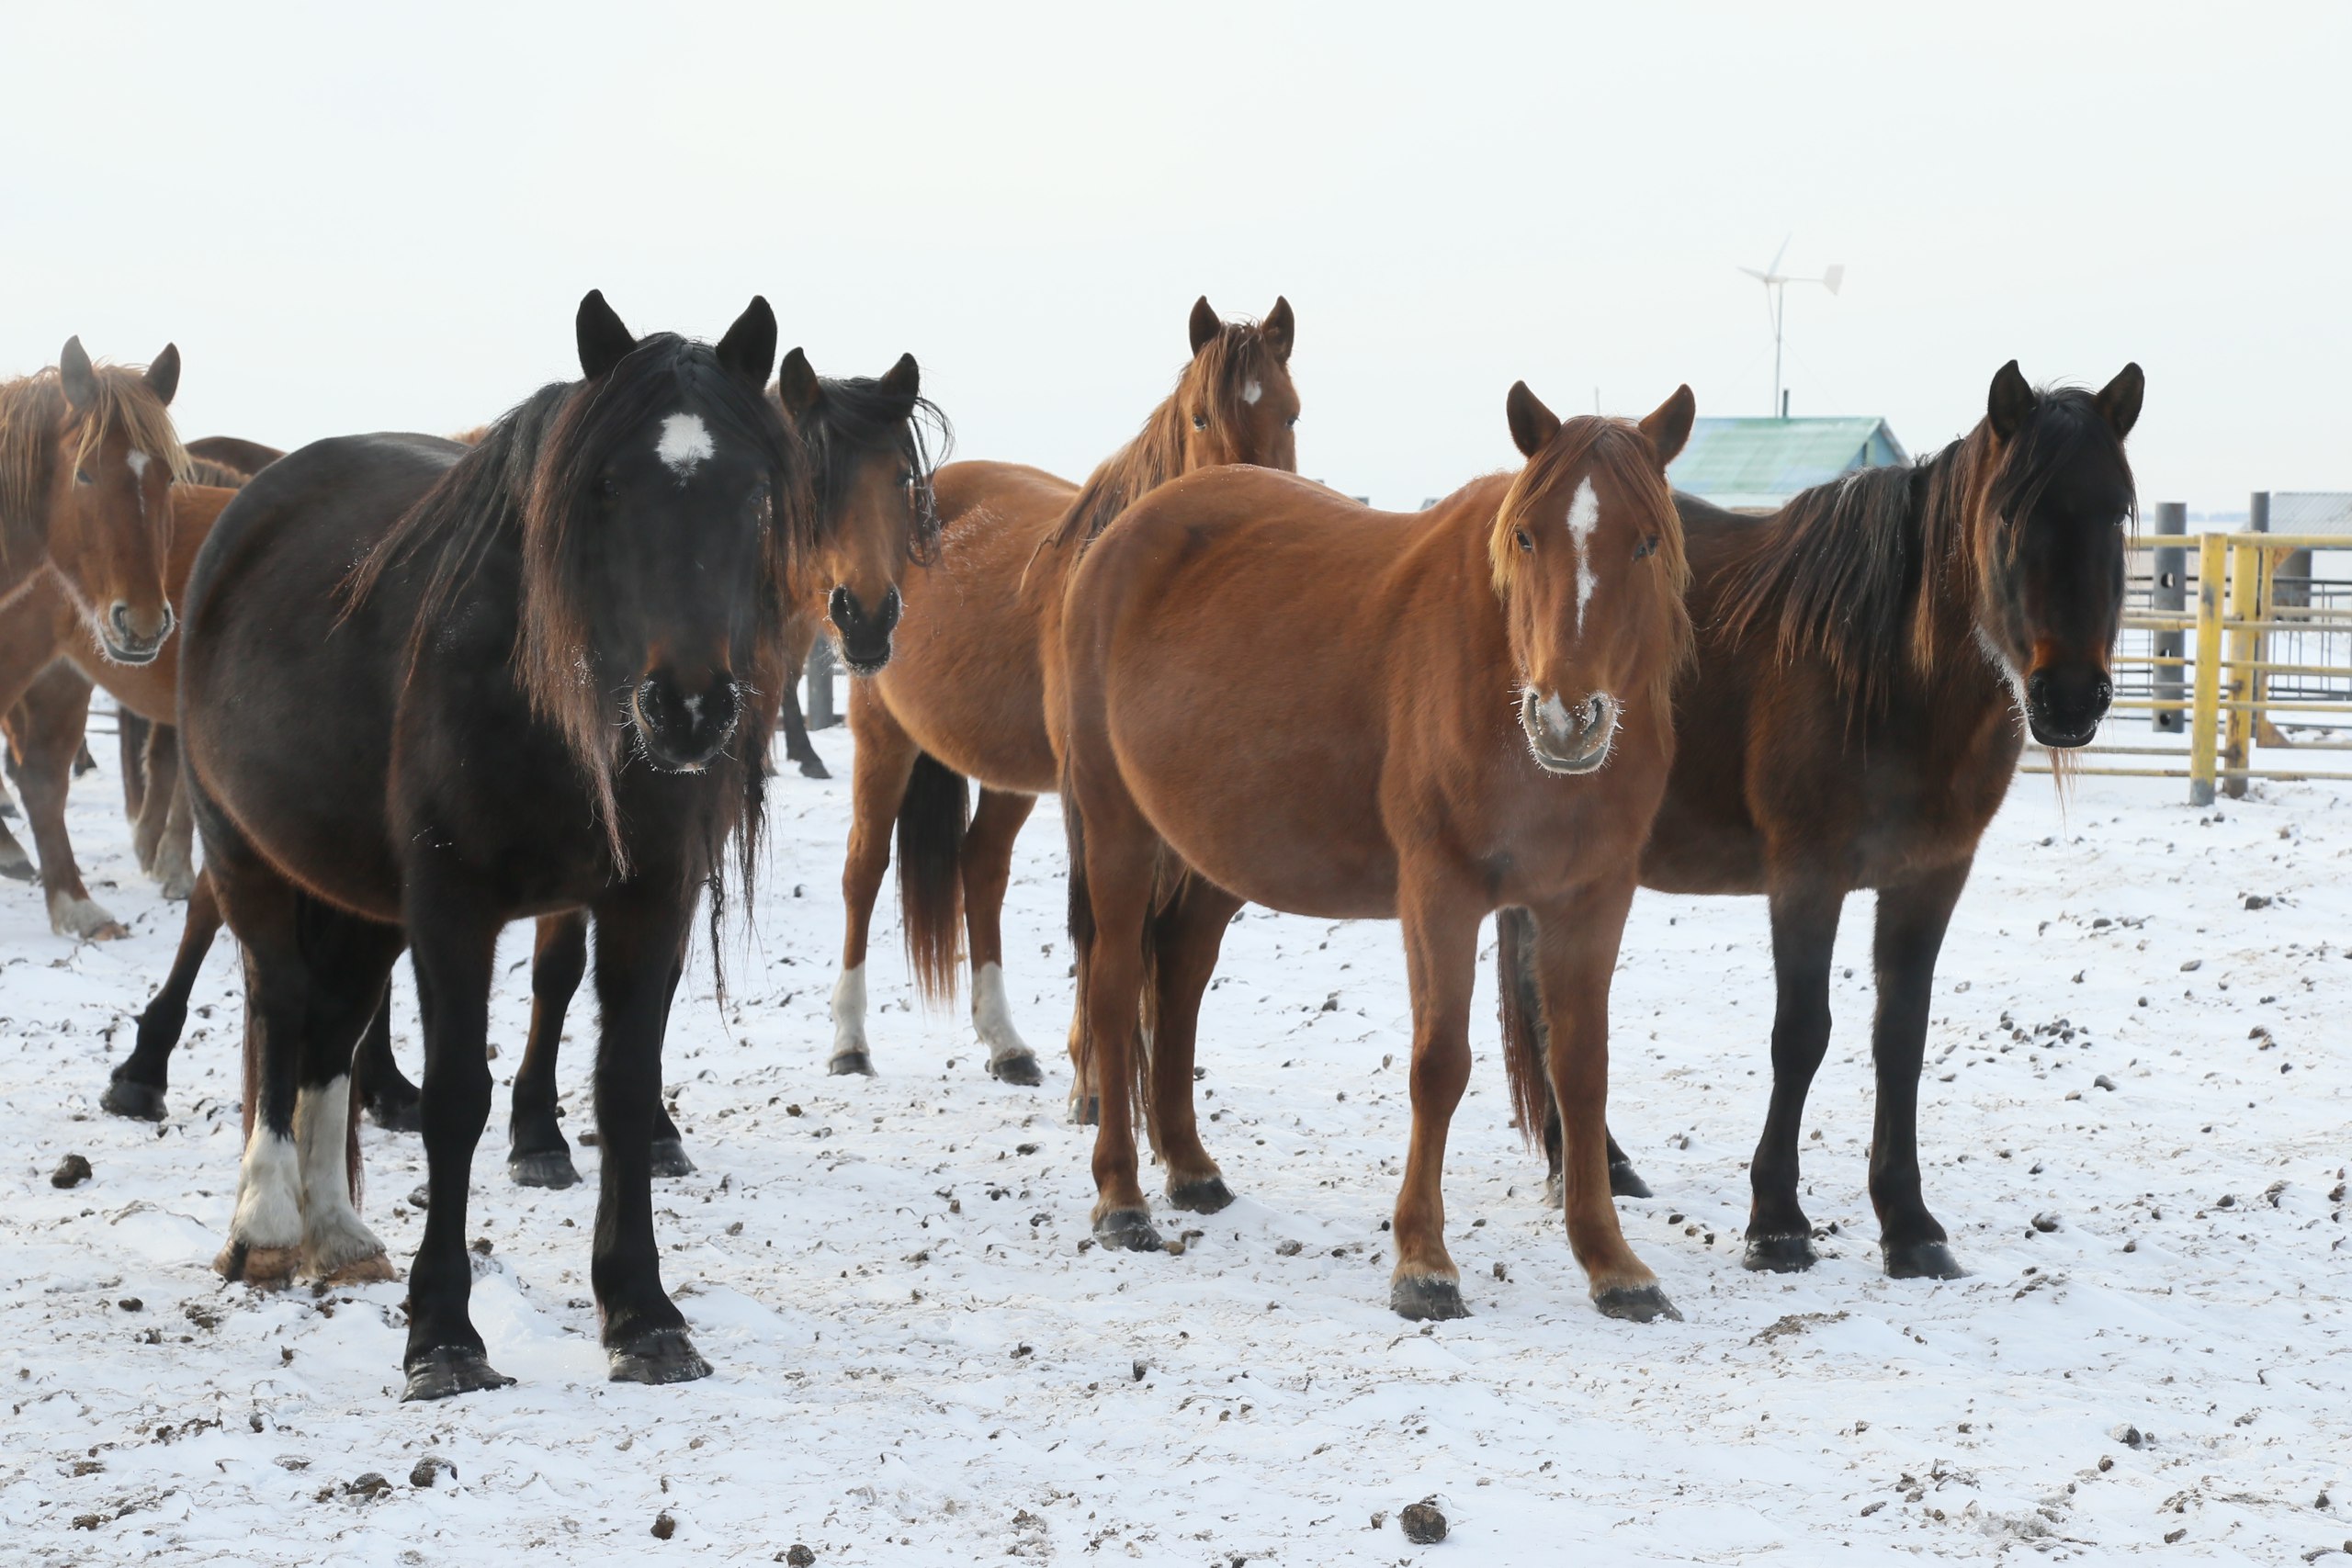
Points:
x=1756 y=465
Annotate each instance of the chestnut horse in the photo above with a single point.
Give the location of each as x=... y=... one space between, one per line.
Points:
x=87 y=456
x=528 y=696
x=1439 y=714
x=964 y=697
x=1870 y=657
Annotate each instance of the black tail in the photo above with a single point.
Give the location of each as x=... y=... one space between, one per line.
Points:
x=932 y=816
x=1526 y=1051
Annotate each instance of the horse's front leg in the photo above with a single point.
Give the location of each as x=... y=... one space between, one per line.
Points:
x=538 y=1153
x=1576 y=941
x=1805 y=932
x=1441 y=961
x=1911 y=923
x=641 y=932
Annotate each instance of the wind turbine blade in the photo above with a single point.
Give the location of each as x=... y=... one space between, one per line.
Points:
x=1759 y=277
x=1832 y=276
x=1783 y=251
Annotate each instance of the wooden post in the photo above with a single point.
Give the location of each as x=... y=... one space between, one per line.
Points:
x=2246 y=649
x=2204 y=734
x=821 y=714
x=2169 y=596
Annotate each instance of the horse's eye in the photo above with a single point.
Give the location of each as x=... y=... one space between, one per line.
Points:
x=1525 y=542
x=1647 y=548
x=1291 y=423
x=81 y=476
x=608 y=487
x=906 y=478
x=1200 y=421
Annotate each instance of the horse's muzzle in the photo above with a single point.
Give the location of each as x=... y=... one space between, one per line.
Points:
x=863 y=639
x=683 y=730
x=1569 y=740
x=123 y=641
x=2064 y=703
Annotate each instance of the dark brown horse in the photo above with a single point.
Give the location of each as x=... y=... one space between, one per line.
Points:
x=1870 y=660
x=964 y=697
x=1440 y=713
x=529 y=696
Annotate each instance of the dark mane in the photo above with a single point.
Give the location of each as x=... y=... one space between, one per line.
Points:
x=1862 y=572
x=856 y=417
x=1226 y=364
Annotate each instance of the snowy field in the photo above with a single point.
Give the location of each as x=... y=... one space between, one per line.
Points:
x=917 y=1364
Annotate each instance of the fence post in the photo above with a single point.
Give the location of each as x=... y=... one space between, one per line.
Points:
x=2212 y=568
x=821 y=685
x=2169 y=596
x=2245 y=648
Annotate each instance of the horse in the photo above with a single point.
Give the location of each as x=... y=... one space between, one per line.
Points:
x=1870 y=660
x=429 y=689
x=88 y=453
x=1441 y=714
x=50 y=659
x=964 y=697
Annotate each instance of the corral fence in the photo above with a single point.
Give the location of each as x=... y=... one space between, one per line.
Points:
x=2238 y=649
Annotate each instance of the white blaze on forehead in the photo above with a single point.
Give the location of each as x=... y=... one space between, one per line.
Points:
x=1251 y=392
x=1584 y=516
x=686 y=442
x=138 y=461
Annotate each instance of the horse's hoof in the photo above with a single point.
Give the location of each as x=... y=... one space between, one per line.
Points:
x=665 y=1355
x=1624 y=1181
x=374 y=1269
x=397 y=1112
x=856 y=1063
x=17 y=868
x=1636 y=1303
x=1779 y=1254
x=141 y=1102
x=550 y=1168
x=1127 y=1230
x=814 y=769
x=1556 y=1192
x=262 y=1268
x=1426 y=1298
x=1017 y=1068
x=1086 y=1111
x=422 y=1199
x=177 y=886
x=452 y=1370
x=1923 y=1260
x=670 y=1159
x=1203 y=1197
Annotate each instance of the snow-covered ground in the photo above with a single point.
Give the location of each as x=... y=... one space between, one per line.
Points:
x=917 y=1363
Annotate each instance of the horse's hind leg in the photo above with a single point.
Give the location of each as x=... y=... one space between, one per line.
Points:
x=391 y=1101
x=1577 y=943
x=1440 y=958
x=164 y=832
x=883 y=761
x=987 y=859
x=538 y=1153
x=1805 y=930
x=350 y=968
x=1112 y=860
x=1911 y=923
x=1185 y=938
x=130 y=745
x=50 y=735
x=136 y=1088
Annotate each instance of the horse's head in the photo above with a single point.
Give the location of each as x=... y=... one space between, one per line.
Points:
x=110 y=457
x=1235 y=399
x=2049 y=546
x=872 y=441
x=662 y=523
x=1586 y=554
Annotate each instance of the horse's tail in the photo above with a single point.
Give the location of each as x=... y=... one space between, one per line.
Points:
x=932 y=816
x=1526 y=1051
x=1081 y=941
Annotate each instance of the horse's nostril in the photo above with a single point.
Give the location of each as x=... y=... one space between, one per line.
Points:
x=891 y=604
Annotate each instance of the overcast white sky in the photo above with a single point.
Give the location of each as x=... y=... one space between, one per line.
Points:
x=357 y=218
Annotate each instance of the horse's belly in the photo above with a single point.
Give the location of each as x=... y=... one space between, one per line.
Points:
x=964 y=679
x=1276 y=835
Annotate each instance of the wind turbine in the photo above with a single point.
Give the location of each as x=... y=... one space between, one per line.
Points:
x=1776 y=302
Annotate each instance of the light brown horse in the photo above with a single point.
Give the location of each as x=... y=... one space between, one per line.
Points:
x=1439 y=714
x=964 y=696
x=88 y=455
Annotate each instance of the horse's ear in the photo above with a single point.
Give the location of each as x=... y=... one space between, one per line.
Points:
x=1669 y=426
x=603 y=341
x=2119 y=399
x=74 y=371
x=2011 y=403
x=163 y=375
x=1532 y=425
x=1206 y=326
x=796 y=386
x=903 y=381
x=1279 y=328
x=749 y=347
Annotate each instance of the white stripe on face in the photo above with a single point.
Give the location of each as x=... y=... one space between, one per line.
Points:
x=1584 y=516
x=138 y=461
x=1251 y=392
x=686 y=442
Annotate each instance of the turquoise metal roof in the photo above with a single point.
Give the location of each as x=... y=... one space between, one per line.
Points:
x=1763 y=462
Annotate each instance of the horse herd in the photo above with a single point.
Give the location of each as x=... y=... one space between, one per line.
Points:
x=421 y=688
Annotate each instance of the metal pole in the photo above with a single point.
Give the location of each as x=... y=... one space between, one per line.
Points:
x=2204 y=737
x=2169 y=596
x=821 y=685
x=2245 y=651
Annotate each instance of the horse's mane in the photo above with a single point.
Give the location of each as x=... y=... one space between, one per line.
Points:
x=31 y=410
x=220 y=476
x=857 y=415
x=1851 y=572
x=523 y=485
x=1225 y=365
